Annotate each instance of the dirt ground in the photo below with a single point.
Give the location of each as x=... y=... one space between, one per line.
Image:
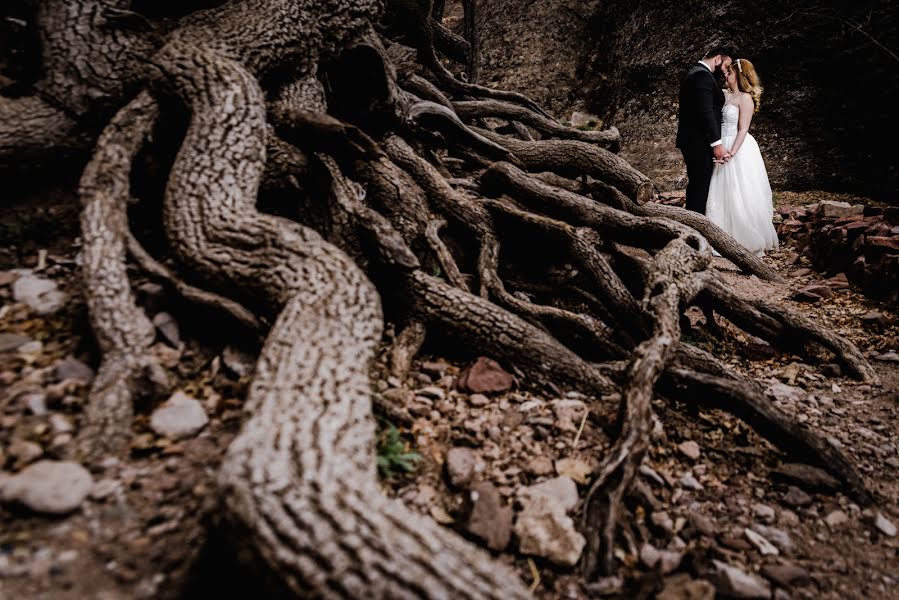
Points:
x=148 y=528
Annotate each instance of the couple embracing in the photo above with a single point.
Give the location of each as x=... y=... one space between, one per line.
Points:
x=726 y=175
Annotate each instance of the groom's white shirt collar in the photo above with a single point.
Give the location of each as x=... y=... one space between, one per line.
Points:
x=704 y=64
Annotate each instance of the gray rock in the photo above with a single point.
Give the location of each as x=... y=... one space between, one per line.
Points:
x=786 y=575
x=666 y=560
x=684 y=587
x=104 y=488
x=663 y=521
x=488 y=517
x=690 y=449
x=690 y=482
x=836 y=519
x=48 y=487
x=735 y=583
x=72 y=369
x=560 y=491
x=796 y=497
x=765 y=547
x=569 y=414
x=543 y=529
x=41 y=295
x=807 y=477
x=239 y=362
x=778 y=537
x=540 y=466
x=10 y=342
x=885 y=526
x=702 y=523
x=36 y=402
x=462 y=466
x=179 y=417
x=787 y=393
x=763 y=512
x=168 y=328
x=60 y=423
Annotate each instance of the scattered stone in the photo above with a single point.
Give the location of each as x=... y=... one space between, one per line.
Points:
x=735 y=583
x=24 y=452
x=811 y=293
x=666 y=560
x=796 y=497
x=48 y=487
x=462 y=465
x=786 y=575
x=540 y=466
x=701 y=523
x=60 y=423
x=575 y=468
x=787 y=393
x=690 y=482
x=72 y=369
x=835 y=208
x=9 y=342
x=836 y=519
x=874 y=319
x=885 y=526
x=489 y=519
x=888 y=357
x=778 y=537
x=543 y=529
x=580 y=119
x=167 y=326
x=759 y=541
x=478 y=400
x=104 y=488
x=41 y=295
x=433 y=392
x=237 y=361
x=485 y=376
x=663 y=521
x=30 y=351
x=764 y=513
x=436 y=369
x=35 y=402
x=684 y=587
x=178 y=417
x=560 y=491
x=807 y=477
x=690 y=449
x=569 y=414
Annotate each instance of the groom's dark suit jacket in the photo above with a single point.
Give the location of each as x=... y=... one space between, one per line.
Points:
x=699 y=114
x=698 y=125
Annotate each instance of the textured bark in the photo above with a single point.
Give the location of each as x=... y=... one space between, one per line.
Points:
x=122 y=329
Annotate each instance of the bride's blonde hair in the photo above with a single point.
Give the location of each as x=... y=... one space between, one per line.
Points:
x=748 y=80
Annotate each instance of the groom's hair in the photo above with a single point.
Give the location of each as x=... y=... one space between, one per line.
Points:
x=722 y=50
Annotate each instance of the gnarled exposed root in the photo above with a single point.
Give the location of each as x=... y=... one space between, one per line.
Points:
x=32 y=129
x=664 y=294
x=300 y=477
x=122 y=329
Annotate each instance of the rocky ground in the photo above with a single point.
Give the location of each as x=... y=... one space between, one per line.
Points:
x=717 y=509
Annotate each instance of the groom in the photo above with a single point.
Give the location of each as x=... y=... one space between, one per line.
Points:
x=699 y=123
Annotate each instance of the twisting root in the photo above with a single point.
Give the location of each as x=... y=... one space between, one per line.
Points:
x=190 y=293
x=664 y=295
x=31 y=129
x=444 y=256
x=122 y=329
x=745 y=400
x=300 y=479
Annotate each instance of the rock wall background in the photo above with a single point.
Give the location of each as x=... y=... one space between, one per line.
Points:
x=830 y=71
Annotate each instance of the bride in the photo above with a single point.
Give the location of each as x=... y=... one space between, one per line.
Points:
x=740 y=199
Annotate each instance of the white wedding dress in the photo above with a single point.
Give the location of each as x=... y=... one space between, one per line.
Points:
x=740 y=200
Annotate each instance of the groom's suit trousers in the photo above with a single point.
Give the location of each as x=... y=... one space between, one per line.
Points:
x=699 y=175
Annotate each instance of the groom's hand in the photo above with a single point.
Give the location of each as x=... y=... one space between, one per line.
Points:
x=721 y=155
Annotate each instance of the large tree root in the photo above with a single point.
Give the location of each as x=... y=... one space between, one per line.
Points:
x=122 y=329
x=300 y=477
x=383 y=166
